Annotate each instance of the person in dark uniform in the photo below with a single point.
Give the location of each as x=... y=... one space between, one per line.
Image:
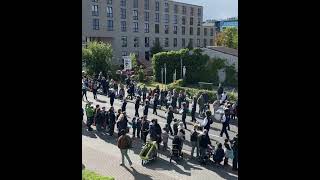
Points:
x=155 y=103
x=136 y=106
x=112 y=120
x=146 y=108
x=112 y=96
x=194 y=109
x=170 y=117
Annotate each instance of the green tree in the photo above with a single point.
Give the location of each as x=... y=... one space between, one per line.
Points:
x=228 y=38
x=221 y=39
x=97 y=57
x=134 y=62
x=156 y=48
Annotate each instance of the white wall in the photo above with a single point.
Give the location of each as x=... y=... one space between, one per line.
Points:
x=230 y=60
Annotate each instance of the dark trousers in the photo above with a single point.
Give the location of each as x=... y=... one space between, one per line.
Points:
x=137 y=112
x=111 y=102
x=155 y=109
x=94 y=92
x=89 y=122
x=84 y=93
x=169 y=126
x=184 y=121
x=138 y=132
x=144 y=136
x=134 y=132
x=224 y=130
x=111 y=130
x=235 y=161
x=193 y=114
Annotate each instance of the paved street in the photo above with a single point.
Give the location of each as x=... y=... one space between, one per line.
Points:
x=100 y=153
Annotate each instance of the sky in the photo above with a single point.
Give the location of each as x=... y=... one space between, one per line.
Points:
x=216 y=9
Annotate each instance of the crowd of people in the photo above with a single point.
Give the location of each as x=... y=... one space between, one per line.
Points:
x=173 y=102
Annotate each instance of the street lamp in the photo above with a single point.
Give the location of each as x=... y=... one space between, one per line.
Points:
x=165 y=73
x=162 y=75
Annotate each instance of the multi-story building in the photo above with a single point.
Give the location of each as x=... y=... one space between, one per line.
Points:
x=132 y=26
x=228 y=23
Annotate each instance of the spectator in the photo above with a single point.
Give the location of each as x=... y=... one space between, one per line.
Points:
x=99 y=119
x=194 y=109
x=175 y=126
x=84 y=90
x=90 y=115
x=235 y=144
x=134 y=125
x=112 y=120
x=219 y=154
x=201 y=104
x=228 y=152
x=165 y=137
x=124 y=143
x=95 y=89
x=136 y=106
x=124 y=105
x=204 y=141
x=139 y=126
x=121 y=124
x=184 y=114
x=194 y=141
x=112 y=96
x=152 y=130
x=145 y=129
x=169 y=118
x=144 y=93
x=146 y=108
x=158 y=132
x=155 y=103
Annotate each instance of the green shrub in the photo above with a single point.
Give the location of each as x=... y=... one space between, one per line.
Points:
x=89 y=175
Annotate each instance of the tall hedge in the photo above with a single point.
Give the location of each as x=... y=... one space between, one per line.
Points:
x=195 y=65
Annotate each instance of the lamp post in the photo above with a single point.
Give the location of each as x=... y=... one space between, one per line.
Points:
x=162 y=75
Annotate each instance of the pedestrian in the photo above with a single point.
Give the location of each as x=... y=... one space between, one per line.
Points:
x=112 y=120
x=228 y=152
x=95 y=89
x=144 y=93
x=209 y=120
x=115 y=86
x=107 y=87
x=136 y=106
x=105 y=118
x=201 y=104
x=165 y=137
x=96 y=110
x=162 y=97
x=122 y=124
x=194 y=108
x=219 y=91
x=119 y=112
x=204 y=141
x=224 y=126
x=235 y=144
x=124 y=105
x=112 y=97
x=175 y=126
x=168 y=100
x=184 y=114
x=180 y=100
x=124 y=143
x=181 y=134
x=145 y=129
x=84 y=90
x=155 y=103
x=104 y=85
x=146 y=108
x=170 y=117
x=218 y=155
x=131 y=90
x=227 y=113
x=158 y=132
x=134 y=125
x=99 y=120
x=174 y=100
x=152 y=130
x=121 y=92
x=139 y=126
x=224 y=97
x=194 y=141
x=90 y=115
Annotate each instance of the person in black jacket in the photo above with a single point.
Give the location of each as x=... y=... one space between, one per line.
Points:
x=235 y=144
x=204 y=141
x=146 y=108
x=155 y=103
x=145 y=129
x=210 y=121
x=219 y=154
x=112 y=96
x=112 y=120
x=136 y=106
x=158 y=132
x=139 y=126
x=124 y=105
x=184 y=114
x=170 y=117
x=104 y=117
x=193 y=110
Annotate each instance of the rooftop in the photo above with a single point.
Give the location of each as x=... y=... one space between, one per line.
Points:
x=207 y=24
x=184 y=3
x=226 y=50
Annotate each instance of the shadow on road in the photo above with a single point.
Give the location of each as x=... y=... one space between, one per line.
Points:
x=166 y=165
x=223 y=171
x=137 y=175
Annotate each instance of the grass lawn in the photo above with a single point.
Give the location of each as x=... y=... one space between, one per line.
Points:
x=89 y=175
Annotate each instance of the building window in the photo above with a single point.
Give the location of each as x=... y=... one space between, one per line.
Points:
x=191 y=21
x=183 y=30
x=110 y=25
x=135 y=3
x=183 y=42
x=135 y=14
x=109 y=2
x=157 y=41
x=166 y=18
x=175 y=19
x=198 y=31
x=205 y=31
x=123 y=26
x=166 y=29
x=136 y=42
x=95 y=24
x=124 y=41
x=157 y=6
x=146 y=42
x=166 y=42
x=156 y=28
x=147 y=55
x=199 y=22
x=204 y=42
x=166 y=7
x=95 y=11
x=191 y=42
x=146 y=4
x=211 y=32
x=123 y=13
x=109 y=12
x=176 y=9
x=124 y=53
x=146 y=16
x=199 y=12
x=184 y=10
x=183 y=20
x=175 y=29
x=146 y=27
x=123 y=3
x=191 y=11
x=191 y=30
x=175 y=42
x=198 y=42
x=211 y=42
x=135 y=27
x=157 y=17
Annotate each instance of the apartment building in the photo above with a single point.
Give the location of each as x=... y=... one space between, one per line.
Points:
x=132 y=26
